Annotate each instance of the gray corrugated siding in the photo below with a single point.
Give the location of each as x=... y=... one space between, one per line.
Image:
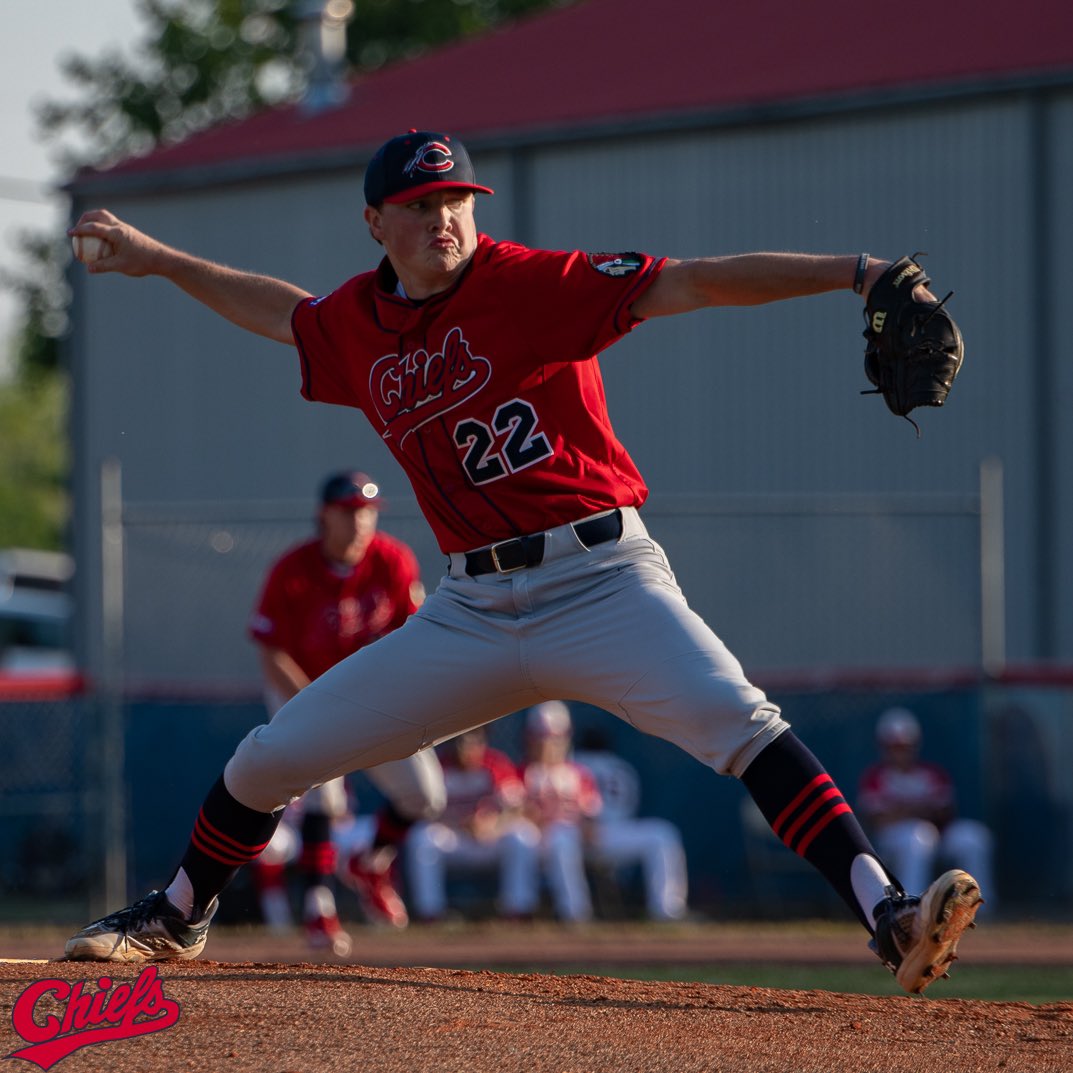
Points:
x=859 y=547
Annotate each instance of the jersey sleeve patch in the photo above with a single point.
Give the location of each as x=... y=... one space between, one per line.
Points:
x=616 y=264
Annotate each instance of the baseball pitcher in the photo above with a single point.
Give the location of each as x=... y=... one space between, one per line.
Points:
x=554 y=588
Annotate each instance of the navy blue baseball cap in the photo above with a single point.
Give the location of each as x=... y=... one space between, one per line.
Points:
x=351 y=489
x=417 y=163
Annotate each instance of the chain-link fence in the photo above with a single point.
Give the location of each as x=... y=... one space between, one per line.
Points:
x=47 y=803
x=192 y=586
x=789 y=581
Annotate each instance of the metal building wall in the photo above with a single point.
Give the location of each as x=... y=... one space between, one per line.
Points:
x=217 y=447
x=806 y=522
x=765 y=401
x=1053 y=279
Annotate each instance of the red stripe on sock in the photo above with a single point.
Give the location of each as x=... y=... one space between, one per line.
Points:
x=839 y=810
x=318 y=859
x=219 y=847
x=268 y=876
x=807 y=815
x=226 y=840
x=203 y=842
x=231 y=860
x=787 y=812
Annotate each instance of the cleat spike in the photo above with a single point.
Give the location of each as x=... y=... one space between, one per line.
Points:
x=917 y=937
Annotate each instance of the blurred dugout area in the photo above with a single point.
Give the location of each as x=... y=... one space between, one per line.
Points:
x=1007 y=744
x=190 y=691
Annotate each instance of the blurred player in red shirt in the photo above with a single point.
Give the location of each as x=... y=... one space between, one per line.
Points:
x=322 y=601
x=482 y=827
x=562 y=799
x=910 y=806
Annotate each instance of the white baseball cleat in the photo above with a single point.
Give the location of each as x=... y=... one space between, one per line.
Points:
x=917 y=938
x=149 y=930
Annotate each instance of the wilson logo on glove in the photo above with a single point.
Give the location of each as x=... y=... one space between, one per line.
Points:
x=915 y=348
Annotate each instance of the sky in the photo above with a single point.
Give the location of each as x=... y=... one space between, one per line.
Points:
x=37 y=33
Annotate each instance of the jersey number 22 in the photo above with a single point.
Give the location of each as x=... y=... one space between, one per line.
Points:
x=484 y=459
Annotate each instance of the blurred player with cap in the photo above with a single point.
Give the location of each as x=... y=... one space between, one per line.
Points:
x=323 y=600
x=562 y=799
x=910 y=806
x=482 y=828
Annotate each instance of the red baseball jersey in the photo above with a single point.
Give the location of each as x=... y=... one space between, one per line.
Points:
x=492 y=787
x=319 y=615
x=489 y=394
x=560 y=793
x=923 y=790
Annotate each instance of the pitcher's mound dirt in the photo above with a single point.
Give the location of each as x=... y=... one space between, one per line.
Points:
x=272 y=1017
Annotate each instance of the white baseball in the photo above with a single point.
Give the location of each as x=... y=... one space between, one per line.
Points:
x=89 y=248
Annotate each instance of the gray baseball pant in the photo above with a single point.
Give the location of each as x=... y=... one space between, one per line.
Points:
x=606 y=625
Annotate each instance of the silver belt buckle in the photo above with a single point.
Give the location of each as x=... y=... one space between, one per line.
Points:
x=500 y=569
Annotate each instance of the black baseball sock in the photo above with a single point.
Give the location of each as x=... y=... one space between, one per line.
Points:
x=808 y=813
x=226 y=836
x=318 y=849
x=391 y=826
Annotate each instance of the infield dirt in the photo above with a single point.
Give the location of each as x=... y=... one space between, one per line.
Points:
x=397 y=1006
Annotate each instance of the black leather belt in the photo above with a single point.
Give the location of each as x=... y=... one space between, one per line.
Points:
x=510 y=555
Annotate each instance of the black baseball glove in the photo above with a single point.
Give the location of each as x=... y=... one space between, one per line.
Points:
x=914 y=346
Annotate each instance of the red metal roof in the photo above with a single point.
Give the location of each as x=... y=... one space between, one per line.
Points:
x=602 y=62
